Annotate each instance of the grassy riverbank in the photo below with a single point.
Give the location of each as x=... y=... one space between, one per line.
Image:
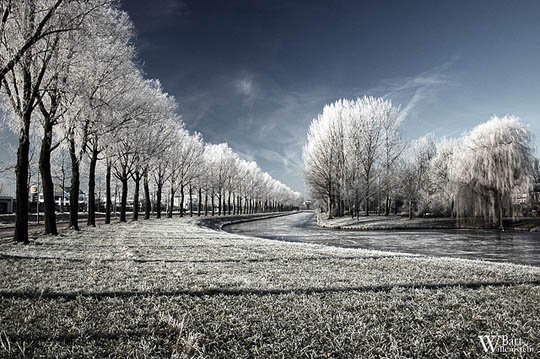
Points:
x=169 y=287
x=376 y=222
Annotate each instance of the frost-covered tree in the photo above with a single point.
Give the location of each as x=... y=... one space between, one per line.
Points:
x=243 y=179
x=60 y=172
x=133 y=141
x=442 y=187
x=364 y=119
x=187 y=157
x=155 y=121
x=83 y=67
x=414 y=172
x=323 y=156
x=161 y=162
x=220 y=160
x=44 y=15
x=103 y=81
x=348 y=145
x=180 y=133
x=160 y=143
x=32 y=37
x=22 y=86
x=253 y=185
x=496 y=158
x=190 y=157
x=392 y=146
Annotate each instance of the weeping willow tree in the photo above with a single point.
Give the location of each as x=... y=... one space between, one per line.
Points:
x=497 y=158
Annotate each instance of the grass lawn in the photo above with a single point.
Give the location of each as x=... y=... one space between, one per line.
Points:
x=169 y=288
x=376 y=222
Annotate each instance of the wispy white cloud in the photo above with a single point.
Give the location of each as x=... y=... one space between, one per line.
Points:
x=245 y=86
x=418 y=89
x=420 y=94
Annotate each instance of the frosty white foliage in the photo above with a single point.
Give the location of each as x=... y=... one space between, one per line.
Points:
x=497 y=157
x=354 y=158
x=228 y=174
x=442 y=186
x=348 y=145
x=414 y=175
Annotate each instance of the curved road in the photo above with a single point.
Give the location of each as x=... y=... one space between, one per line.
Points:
x=515 y=247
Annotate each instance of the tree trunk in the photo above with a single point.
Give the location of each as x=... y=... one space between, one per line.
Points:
x=108 y=205
x=387 y=206
x=367 y=200
x=330 y=205
x=91 y=221
x=219 y=203
x=47 y=181
x=171 y=207
x=75 y=186
x=500 y=214
x=206 y=203
x=147 y=201
x=182 y=200
x=190 y=201
x=21 y=171
x=158 y=198
x=213 y=205
x=240 y=209
x=410 y=209
x=137 y=180
x=200 y=203
x=229 y=204
x=224 y=199
x=123 y=200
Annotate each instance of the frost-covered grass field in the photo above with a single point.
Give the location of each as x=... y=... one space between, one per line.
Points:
x=167 y=288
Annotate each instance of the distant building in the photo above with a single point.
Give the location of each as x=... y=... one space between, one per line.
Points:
x=59 y=198
x=82 y=195
x=6 y=204
x=527 y=203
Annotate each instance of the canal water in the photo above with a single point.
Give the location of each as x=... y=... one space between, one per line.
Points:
x=509 y=246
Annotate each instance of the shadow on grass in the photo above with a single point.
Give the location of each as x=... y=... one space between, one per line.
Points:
x=33 y=295
x=230 y=260
x=89 y=336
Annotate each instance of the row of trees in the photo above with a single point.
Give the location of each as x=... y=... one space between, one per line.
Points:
x=355 y=157
x=68 y=73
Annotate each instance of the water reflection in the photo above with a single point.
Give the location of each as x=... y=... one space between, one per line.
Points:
x=516 y=247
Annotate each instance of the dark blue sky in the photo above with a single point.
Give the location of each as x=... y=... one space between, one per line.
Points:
x=255 y=73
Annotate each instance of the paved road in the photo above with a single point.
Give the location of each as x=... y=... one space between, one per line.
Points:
x=516 y=247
